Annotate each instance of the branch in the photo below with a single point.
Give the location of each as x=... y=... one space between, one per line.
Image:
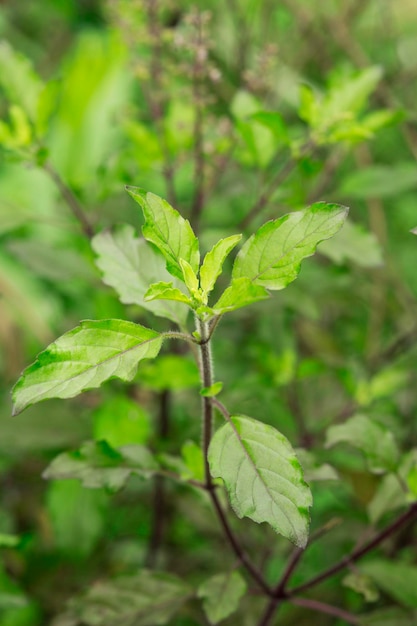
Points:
x=358 y=553
x=328 y=609
x=71 y=200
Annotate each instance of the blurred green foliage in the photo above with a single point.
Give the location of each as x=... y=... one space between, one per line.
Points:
x=236 y=112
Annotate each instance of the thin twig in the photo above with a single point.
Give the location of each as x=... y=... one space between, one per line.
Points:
x=237 y=548
x=273 y=185
x=71 y=200
x=358 y=553
x=328 y=609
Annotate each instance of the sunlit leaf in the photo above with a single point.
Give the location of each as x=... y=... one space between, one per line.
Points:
x=166 y=291
x=221 y=595
x=272 y=256
x=262 y=475
x=168 y=230
x=84 y=358
x=241 y=292
x=213 y=261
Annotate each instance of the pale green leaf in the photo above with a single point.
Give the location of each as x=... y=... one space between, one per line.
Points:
x=149 y=598
x=96 y=464
x=221 y=595
x=213 y=262
x=166 y=291
x=130 y=265
x=272 y=256
x=389 y=616
x=371 y=437
x=84 y=358
x=363 y=584
x=19 y=80
x=390 y=494
x=354 y=244
x=168 y=230
x=262 y=475
x=241 y=292
x=398 y=580
x=380 y=181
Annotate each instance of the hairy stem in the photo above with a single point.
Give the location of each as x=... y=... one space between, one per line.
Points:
x=207 y=379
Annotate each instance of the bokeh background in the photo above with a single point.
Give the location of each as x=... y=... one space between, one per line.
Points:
x=236 y=112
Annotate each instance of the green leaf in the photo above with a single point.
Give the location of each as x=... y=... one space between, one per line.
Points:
x=373 y=439
x=211 y=392
x=193 y=458
x=148 y=599
x=18 y=79
x=355 y=244
x=120 y=421
x=168 y=230
x=241 y=292
x=130 y=265
x=262 y=475
x=272 y=256
x=169 y=371
x=398 y=580
x=363 y=584
x=190 y=279
x=96 y=464
x=9 y=541
x=213 y=262
x=166 y=291
x=389 y=616
x=84 y=358
x=380 y=181
x=77 y=516
x=221 y=595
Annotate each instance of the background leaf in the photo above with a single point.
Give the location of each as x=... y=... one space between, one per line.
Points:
x=130 y=265
x=221 y=595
